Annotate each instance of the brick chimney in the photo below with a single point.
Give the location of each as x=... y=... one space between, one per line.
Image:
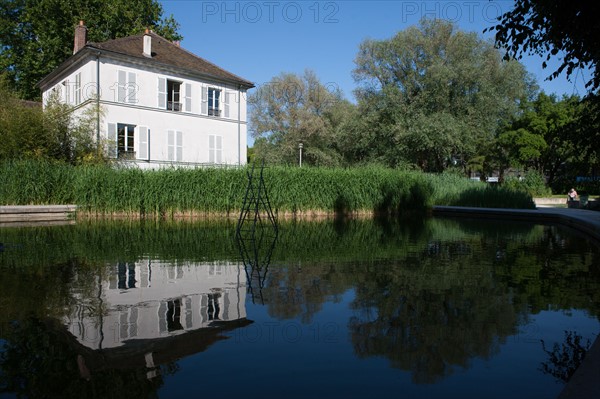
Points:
x=147 y=44
x=80 y=37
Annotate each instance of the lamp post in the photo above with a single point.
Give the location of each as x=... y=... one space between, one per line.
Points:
x=300 y=149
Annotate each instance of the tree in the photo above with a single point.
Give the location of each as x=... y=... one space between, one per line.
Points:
x=547 y=27
x=21 y=125
x=435 y=94
x=293 y=109
x=37 y=35
x=543 y=137
x=27 y=131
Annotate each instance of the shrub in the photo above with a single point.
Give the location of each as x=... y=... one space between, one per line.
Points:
x=532 y=183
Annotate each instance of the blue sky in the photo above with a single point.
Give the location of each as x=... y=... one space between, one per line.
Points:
x=260 y=39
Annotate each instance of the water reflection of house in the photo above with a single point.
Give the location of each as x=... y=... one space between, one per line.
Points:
x=151 y=300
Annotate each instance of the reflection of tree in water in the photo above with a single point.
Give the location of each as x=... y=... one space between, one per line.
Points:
x=39 y=360
x=453 y=300
x=564 y=359
x=299 y=290
x=430 y=319
x=553 y=267
x=449 y=295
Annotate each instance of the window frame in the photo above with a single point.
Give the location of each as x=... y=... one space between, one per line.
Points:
x=214 y=102
x=129 y=133
x=173 y=105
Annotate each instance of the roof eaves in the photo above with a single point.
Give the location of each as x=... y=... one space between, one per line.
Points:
x=170 y=67
x=63 y=67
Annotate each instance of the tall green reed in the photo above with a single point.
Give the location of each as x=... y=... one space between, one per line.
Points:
x=170 y=191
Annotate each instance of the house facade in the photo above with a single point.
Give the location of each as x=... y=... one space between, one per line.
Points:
x=159 y=104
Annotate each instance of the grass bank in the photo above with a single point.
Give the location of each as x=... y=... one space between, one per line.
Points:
x=99 y=189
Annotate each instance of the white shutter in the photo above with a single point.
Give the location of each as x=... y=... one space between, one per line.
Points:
x=188 y=97
x=78 y=88
x=211 y=149
x=204 y=105
x=218 y=149
x=143 y=143
x=227 y=101
x=121 y=94
x=112 y=137
x=162 y=93
x=131 y=89
x=66 y=90
x=171 y=145
x=179 y=146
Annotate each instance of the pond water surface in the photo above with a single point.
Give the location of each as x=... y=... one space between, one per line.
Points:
x=349 y=309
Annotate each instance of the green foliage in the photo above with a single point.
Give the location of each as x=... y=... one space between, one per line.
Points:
x=585 y=132
x=433 y=94
x=166 y=192
x=454 y=190
x=532 y=183
x=21 y=126
x=36 y=182
x=28 y=132
x=543 y=137
x=293 y=109
x=36 y=36
x=546 y=28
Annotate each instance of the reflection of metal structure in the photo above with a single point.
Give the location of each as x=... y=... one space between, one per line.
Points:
x=256 y=232
x=256 y=255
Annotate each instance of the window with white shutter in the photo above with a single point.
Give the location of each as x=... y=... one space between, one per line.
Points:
x=112 y=137
x=121 y=91
x=78 y=88
x=126 y=87
x=215 y=149
x=131 y=88
x=179 y=146
x=188 y=97
x=226 y=110
x=204 y=104
x=143 y=143
x=162 y=93
x=175 y=145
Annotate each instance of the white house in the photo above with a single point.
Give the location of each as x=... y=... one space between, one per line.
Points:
x=161 y=105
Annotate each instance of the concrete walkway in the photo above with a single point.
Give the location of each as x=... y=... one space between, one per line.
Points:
x=585 y=383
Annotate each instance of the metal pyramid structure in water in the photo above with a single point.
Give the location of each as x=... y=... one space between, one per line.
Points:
x=257 y=231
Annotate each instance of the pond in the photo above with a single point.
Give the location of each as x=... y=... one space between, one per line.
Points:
x=349 y=309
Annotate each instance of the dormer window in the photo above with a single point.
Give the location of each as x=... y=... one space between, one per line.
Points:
x=214 y=96
x=173 y=95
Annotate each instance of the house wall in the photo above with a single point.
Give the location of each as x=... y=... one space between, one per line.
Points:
x=131 y=94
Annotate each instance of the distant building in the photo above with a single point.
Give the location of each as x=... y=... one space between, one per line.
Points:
x=162 y=105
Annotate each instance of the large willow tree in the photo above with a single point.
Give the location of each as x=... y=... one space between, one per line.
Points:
x=432 y=96
x=293 y=109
